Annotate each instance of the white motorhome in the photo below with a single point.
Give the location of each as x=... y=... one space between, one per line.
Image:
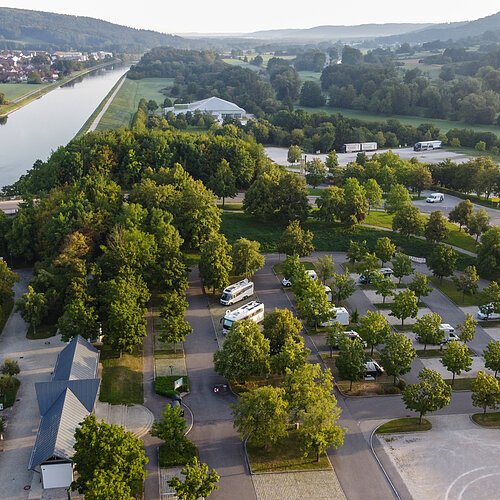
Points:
x=236 y=292
x=427 y=145
x=253 y=310
x=338 y=315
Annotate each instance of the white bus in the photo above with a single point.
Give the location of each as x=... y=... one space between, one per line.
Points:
x=236 y=292
x=426 y=145
x=253 y=310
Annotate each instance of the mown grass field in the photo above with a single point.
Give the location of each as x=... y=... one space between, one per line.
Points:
x=124 y=105
x=409 y=424
x=310 y=76
x=443 y=125
x=450 y=290
x=15 y=90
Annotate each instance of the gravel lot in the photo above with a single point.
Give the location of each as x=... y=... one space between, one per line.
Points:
x=456 y=460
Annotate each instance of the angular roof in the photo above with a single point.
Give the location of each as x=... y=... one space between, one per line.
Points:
x=78 y=360
x=56 y=434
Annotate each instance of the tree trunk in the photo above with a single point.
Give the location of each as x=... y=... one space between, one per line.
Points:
x=453 y=380
x=223 y=202
x=317 y=456
x=484 y=410
x=383 y=299
x=425 y=347
x=371 y=352
x=350 y=387
x=394 y=379
x=420 y=419
x=496 y=371
x=402 y=322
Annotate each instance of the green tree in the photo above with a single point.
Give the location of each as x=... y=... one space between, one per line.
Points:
x=79 y=318
x=401 y=265
x=334 y=335
x=313 y=306
x=351 y=360
x=7 y=280
x=174 y=328
x=467 y=282
x=355 y=203
x=383 y=285
x=492 y=356
x=315 y=172
x=435 y=229
x=123 y=306
x=385 y=249
x=280 y=325
x=325 y=268
x=456 y=359
x=33 y=307
x=262 y=415
x=103 y=447
x=488 y=255
x=106 y=484
x=462 y=213
x=223 y=183
x=420 y=285
x=431 y=394
x=467 y=329
x=296 y=241
x=427 y=329
x=342 y=286
x=247 y=259
x=442 y=261
x=408 y=221
x=319 y=430
x=215 y=262
x=374 y=329
x=294 y=154
x=397 y=355
x=198 y=481
x=293 y=269
x=332 y=161
x=478 y=223
x=245 y=352
x=356 y=251
x=373 y=193
x=419 y=177
x=10 y=367
x=485 y=391
x=311 y=96
x=405 y=305
x=397 y=198
x=292 y=355
x=171 y=428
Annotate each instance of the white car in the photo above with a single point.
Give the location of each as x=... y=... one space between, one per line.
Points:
x=487 y=312
x=372 y=368
x=435 y=198
x=287 y=283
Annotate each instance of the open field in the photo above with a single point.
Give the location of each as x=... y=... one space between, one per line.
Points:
x=309 y=76
x=16 y=90
x=443 y=125
x=125 y=103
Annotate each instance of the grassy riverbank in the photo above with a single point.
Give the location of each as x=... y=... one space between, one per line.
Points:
x=6 y=109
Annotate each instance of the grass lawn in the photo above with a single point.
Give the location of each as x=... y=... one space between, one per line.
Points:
x=42 y=332
x=415 y=121
x=16 y=90
x=7 y=306
x=125 y=103
x=121 y=378
x=450 y=290
x=487 y=419
x=286 y=455
x=10 y=390
x=231 y=206
x=409 y=424
x=379 y=219
x=461 y=384
x=170 y=456
x=315 y=191
x=164 y=386
x=430 y=353
x=309 y=76
x=327 y=237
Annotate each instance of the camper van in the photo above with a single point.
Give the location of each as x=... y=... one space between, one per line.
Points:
x=236 y=292
x=253 y=310
x=338 y=315
x=435 y=198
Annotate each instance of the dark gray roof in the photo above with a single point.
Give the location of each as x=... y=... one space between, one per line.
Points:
x=78 y=360
x=47 y=393
x=56 y=434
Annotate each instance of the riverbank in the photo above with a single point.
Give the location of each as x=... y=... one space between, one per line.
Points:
x=8 y=109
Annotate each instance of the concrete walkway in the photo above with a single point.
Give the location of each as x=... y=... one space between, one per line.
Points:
x=136 y=419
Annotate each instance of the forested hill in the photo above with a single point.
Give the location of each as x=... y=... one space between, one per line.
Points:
x=47 y=31
x=453 y=31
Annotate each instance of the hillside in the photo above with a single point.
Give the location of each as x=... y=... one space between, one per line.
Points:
x=48 y=31
x=339 y=32
x=451 y=31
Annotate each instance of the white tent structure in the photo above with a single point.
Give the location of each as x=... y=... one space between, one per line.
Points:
x=218 y=108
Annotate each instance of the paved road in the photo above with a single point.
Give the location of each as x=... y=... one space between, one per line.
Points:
x=218 y=443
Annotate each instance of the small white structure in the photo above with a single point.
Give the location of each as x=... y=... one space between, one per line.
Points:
x=215 y=106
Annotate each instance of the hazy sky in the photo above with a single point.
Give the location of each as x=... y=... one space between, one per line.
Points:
x=209 y=16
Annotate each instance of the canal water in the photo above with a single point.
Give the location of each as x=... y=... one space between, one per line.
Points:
x=34 y=131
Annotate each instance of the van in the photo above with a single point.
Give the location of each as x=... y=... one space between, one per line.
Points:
x=339 y=315
x=435 y=198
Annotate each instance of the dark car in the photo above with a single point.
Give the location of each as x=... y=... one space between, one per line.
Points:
x=220 y=388
x=366 y=277
x=176 y=404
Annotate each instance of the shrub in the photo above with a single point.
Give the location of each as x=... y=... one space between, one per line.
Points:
x=164 y=386
x=10 y=367
x=169 y=457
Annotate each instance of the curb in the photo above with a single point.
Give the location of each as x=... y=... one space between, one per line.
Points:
x=192 y=418
x=391 y=484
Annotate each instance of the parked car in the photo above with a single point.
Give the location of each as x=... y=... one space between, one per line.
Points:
x=365 y=278
x=487 y=311
x=351 y=334
x=435 y=198
x=286 y=282
x=450 y=337
x=373 y=369
x=176 y=404
x=220 y=388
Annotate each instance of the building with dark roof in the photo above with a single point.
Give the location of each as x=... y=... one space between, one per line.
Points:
x=63 y=403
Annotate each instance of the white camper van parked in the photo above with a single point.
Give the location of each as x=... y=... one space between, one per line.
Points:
x=435 y=198
x=236 y=292
x=339 y=315
x=253 y=310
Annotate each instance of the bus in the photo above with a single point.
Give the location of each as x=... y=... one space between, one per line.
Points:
x=427 y=145
x=253 y=310
x=236 y=292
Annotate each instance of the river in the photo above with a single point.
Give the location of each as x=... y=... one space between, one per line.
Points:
x=37 y=129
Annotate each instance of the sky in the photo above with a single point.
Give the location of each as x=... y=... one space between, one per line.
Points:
x=236 y=16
